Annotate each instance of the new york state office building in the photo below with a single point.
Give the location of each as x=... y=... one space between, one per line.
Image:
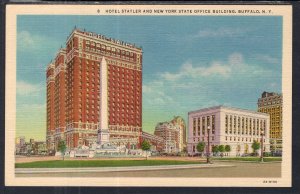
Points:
x=235 y=127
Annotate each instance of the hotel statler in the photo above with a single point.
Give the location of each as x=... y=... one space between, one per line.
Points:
x=92 y=67
x=235 y=127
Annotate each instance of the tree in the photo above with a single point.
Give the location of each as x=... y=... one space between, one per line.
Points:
x=221 y=149
x=62 y=148
x=255 y=146
x=227 y=148
x=200 y=147
x=215 y=149
x=146 y=147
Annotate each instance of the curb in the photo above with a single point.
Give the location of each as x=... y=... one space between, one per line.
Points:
x=248 y=161
x=113 y=169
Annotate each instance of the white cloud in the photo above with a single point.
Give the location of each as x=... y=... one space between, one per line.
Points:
x=25 y=88
x=148 y=89
x=197 y=85
x=267 y=59
x=156 y=95
x=220 y=32
x=189 y=70
x=27 y=41
x=271 y=85
x=234 y=66
x=218 y=68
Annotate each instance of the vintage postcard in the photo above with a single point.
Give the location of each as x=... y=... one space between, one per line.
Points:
x=148 y=95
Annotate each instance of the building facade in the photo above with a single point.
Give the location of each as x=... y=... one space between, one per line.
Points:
x=235 y=127
x=180 y=123
x=157 y=143
x=174 y=133
x=50 y=106
x=73 y=101
x=271 y=103
x=20 y=142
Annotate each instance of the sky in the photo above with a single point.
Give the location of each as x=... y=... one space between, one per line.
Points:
x=189 y=62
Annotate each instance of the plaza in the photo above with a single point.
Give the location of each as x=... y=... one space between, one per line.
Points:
x=230 y=169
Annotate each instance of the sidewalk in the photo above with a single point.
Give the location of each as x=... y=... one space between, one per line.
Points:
x=115 y=169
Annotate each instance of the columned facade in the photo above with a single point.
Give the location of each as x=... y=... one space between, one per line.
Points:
x=235 y=127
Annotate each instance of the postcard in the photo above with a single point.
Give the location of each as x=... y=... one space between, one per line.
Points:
x=148 y=95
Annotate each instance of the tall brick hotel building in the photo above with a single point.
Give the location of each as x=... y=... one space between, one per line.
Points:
x=73 y=91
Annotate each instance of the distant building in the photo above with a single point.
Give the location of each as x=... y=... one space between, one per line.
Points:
x=20 y=142
x=235 y=127
x=23 y=148
x=174 y=133
x=31 y=141
x=32 y=147
x=180 y=123
x=271 y=103
x=39 y=148
x=157 y=143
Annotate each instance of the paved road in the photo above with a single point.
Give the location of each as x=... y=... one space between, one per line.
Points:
x=240 y=169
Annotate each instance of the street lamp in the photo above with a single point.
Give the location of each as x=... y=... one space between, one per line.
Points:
x=262 y=147
x=208 y=146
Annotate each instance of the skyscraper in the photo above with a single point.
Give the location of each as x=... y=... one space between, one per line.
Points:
x=77 y=95
x=271 y=103
x=50 y=106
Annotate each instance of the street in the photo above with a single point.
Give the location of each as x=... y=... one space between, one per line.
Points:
x=239 y=169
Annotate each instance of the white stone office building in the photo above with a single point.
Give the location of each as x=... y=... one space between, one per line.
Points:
x=236 y=127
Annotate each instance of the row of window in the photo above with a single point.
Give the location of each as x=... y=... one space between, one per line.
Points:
x=110 y=53
x=109 y=48
x=270 y=103
x=208 y=122
x=204 y=139
x=241 y=125
x=242 y=139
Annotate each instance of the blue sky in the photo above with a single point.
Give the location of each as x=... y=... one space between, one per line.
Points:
x=189 y=62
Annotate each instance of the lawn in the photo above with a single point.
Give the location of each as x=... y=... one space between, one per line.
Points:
x=99 y=163
x=254 y=159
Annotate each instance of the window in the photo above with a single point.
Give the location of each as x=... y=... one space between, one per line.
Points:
x=194 y=127
x=254 y=126
x=226 y=124
x=208 y=120
x=199 y=128
x=234 y=124
x=230 y=124
x=203 y=125
x=243 y=125
x=246 y=126
x=213 y=124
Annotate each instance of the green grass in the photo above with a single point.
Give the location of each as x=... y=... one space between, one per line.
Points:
x=99 y=163
x=253 y=159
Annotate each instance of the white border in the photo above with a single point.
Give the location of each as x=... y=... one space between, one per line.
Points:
x=10 y=113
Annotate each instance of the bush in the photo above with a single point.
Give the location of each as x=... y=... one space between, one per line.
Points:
x=267 y=154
